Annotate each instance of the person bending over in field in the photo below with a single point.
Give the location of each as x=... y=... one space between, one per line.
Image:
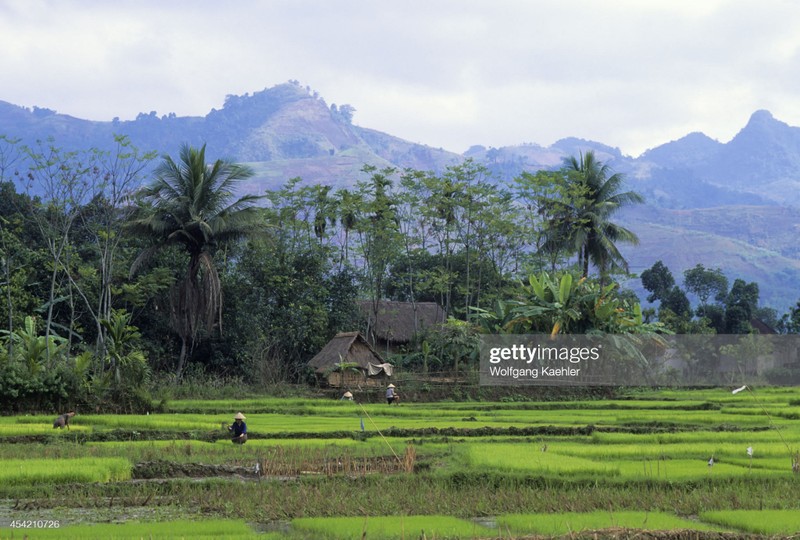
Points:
x=238 y=429
x=63 y=420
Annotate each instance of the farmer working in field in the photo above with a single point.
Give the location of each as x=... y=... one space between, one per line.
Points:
x=63 y=420
x=238 y=429
x=391 y=395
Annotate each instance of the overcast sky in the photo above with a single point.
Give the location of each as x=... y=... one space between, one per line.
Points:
x=628 y=73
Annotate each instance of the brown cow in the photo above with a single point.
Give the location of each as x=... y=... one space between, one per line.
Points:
x=63 y=420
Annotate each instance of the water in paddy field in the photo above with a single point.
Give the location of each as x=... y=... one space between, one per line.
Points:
x=108 y=511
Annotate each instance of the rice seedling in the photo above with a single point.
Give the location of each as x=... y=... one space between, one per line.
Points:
x=32 y=471
x=531 y=459
x=701 y=436
x=165 y=422
x=657 y=450
x=776 y=394
x=691 y=418
x=780 y=411
x=261 y=405
x=681 y=470
x=61 y=449
x=565 y=523
x=463 y=494
x=278 y=457
x=283 y=463
x=783 y=463
x=390 y=527
x=772 y=522
x=8 y=430
x=647 y=452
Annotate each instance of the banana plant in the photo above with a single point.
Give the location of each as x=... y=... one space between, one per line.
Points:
x=549 y=304
x=32 y=349
x=495 y=320
x=127 y=363
x=564 y=304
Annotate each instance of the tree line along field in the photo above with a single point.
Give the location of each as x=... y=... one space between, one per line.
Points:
x=691 y=460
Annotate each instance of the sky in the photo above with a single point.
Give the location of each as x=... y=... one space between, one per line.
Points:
x=632 y=74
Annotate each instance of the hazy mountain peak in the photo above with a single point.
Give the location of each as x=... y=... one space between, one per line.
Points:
x=761 y=116
x=764 y=128
x=687 y=151
x=762 y=125
x=289 y=131
x=575 y=146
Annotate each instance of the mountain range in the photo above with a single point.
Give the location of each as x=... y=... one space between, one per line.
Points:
x=733 y=205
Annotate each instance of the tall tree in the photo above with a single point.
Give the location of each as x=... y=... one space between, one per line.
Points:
x=378 y=232
x=64 y=180
x=545 y=199
x=790 y=322
x=16 y=246
x=347 y=203
x=105 y=217
x=658 y=281
x=705 y=282
x=740 y=305
x=191 y=204
x=593 y=234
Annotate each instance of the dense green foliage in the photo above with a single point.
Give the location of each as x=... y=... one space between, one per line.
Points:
x=224 y=288
x=719 y=309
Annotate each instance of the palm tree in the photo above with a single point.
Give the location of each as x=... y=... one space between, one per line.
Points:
x=191 y=205
x=597 y=197
x=348 y=203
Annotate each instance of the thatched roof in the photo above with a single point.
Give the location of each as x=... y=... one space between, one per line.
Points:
x=761 y=327
x=349 y=347
x=398 y=322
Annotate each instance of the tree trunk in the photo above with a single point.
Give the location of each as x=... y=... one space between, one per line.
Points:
x=585 y=261
x=182 y=358
x=7 y=268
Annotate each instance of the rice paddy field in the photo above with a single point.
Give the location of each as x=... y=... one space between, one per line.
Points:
x=646 y=464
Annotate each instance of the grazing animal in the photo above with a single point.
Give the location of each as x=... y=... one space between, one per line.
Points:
x=63 y=420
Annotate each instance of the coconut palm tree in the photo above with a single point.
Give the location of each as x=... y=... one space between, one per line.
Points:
x=191 y=205
x=593 y=234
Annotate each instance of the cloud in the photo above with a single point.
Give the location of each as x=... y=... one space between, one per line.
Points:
x=448 y=73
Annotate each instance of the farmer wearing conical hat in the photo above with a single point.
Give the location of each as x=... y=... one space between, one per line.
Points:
x=238 y=429
x=391 y=395
x=347 y=396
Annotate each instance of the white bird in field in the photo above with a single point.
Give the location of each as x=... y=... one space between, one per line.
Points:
x=739 y=389
x=750 y=451
x=258 y=467
x=711 y=462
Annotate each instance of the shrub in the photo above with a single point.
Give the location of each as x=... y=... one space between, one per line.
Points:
x=48 y=390
x=782 y=376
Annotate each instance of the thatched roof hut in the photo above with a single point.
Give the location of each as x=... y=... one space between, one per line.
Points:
x=398 y=322
x=761 y=327
x=349 y=359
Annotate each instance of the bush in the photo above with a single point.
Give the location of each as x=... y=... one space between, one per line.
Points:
x=782 y=376
x=48 y=390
